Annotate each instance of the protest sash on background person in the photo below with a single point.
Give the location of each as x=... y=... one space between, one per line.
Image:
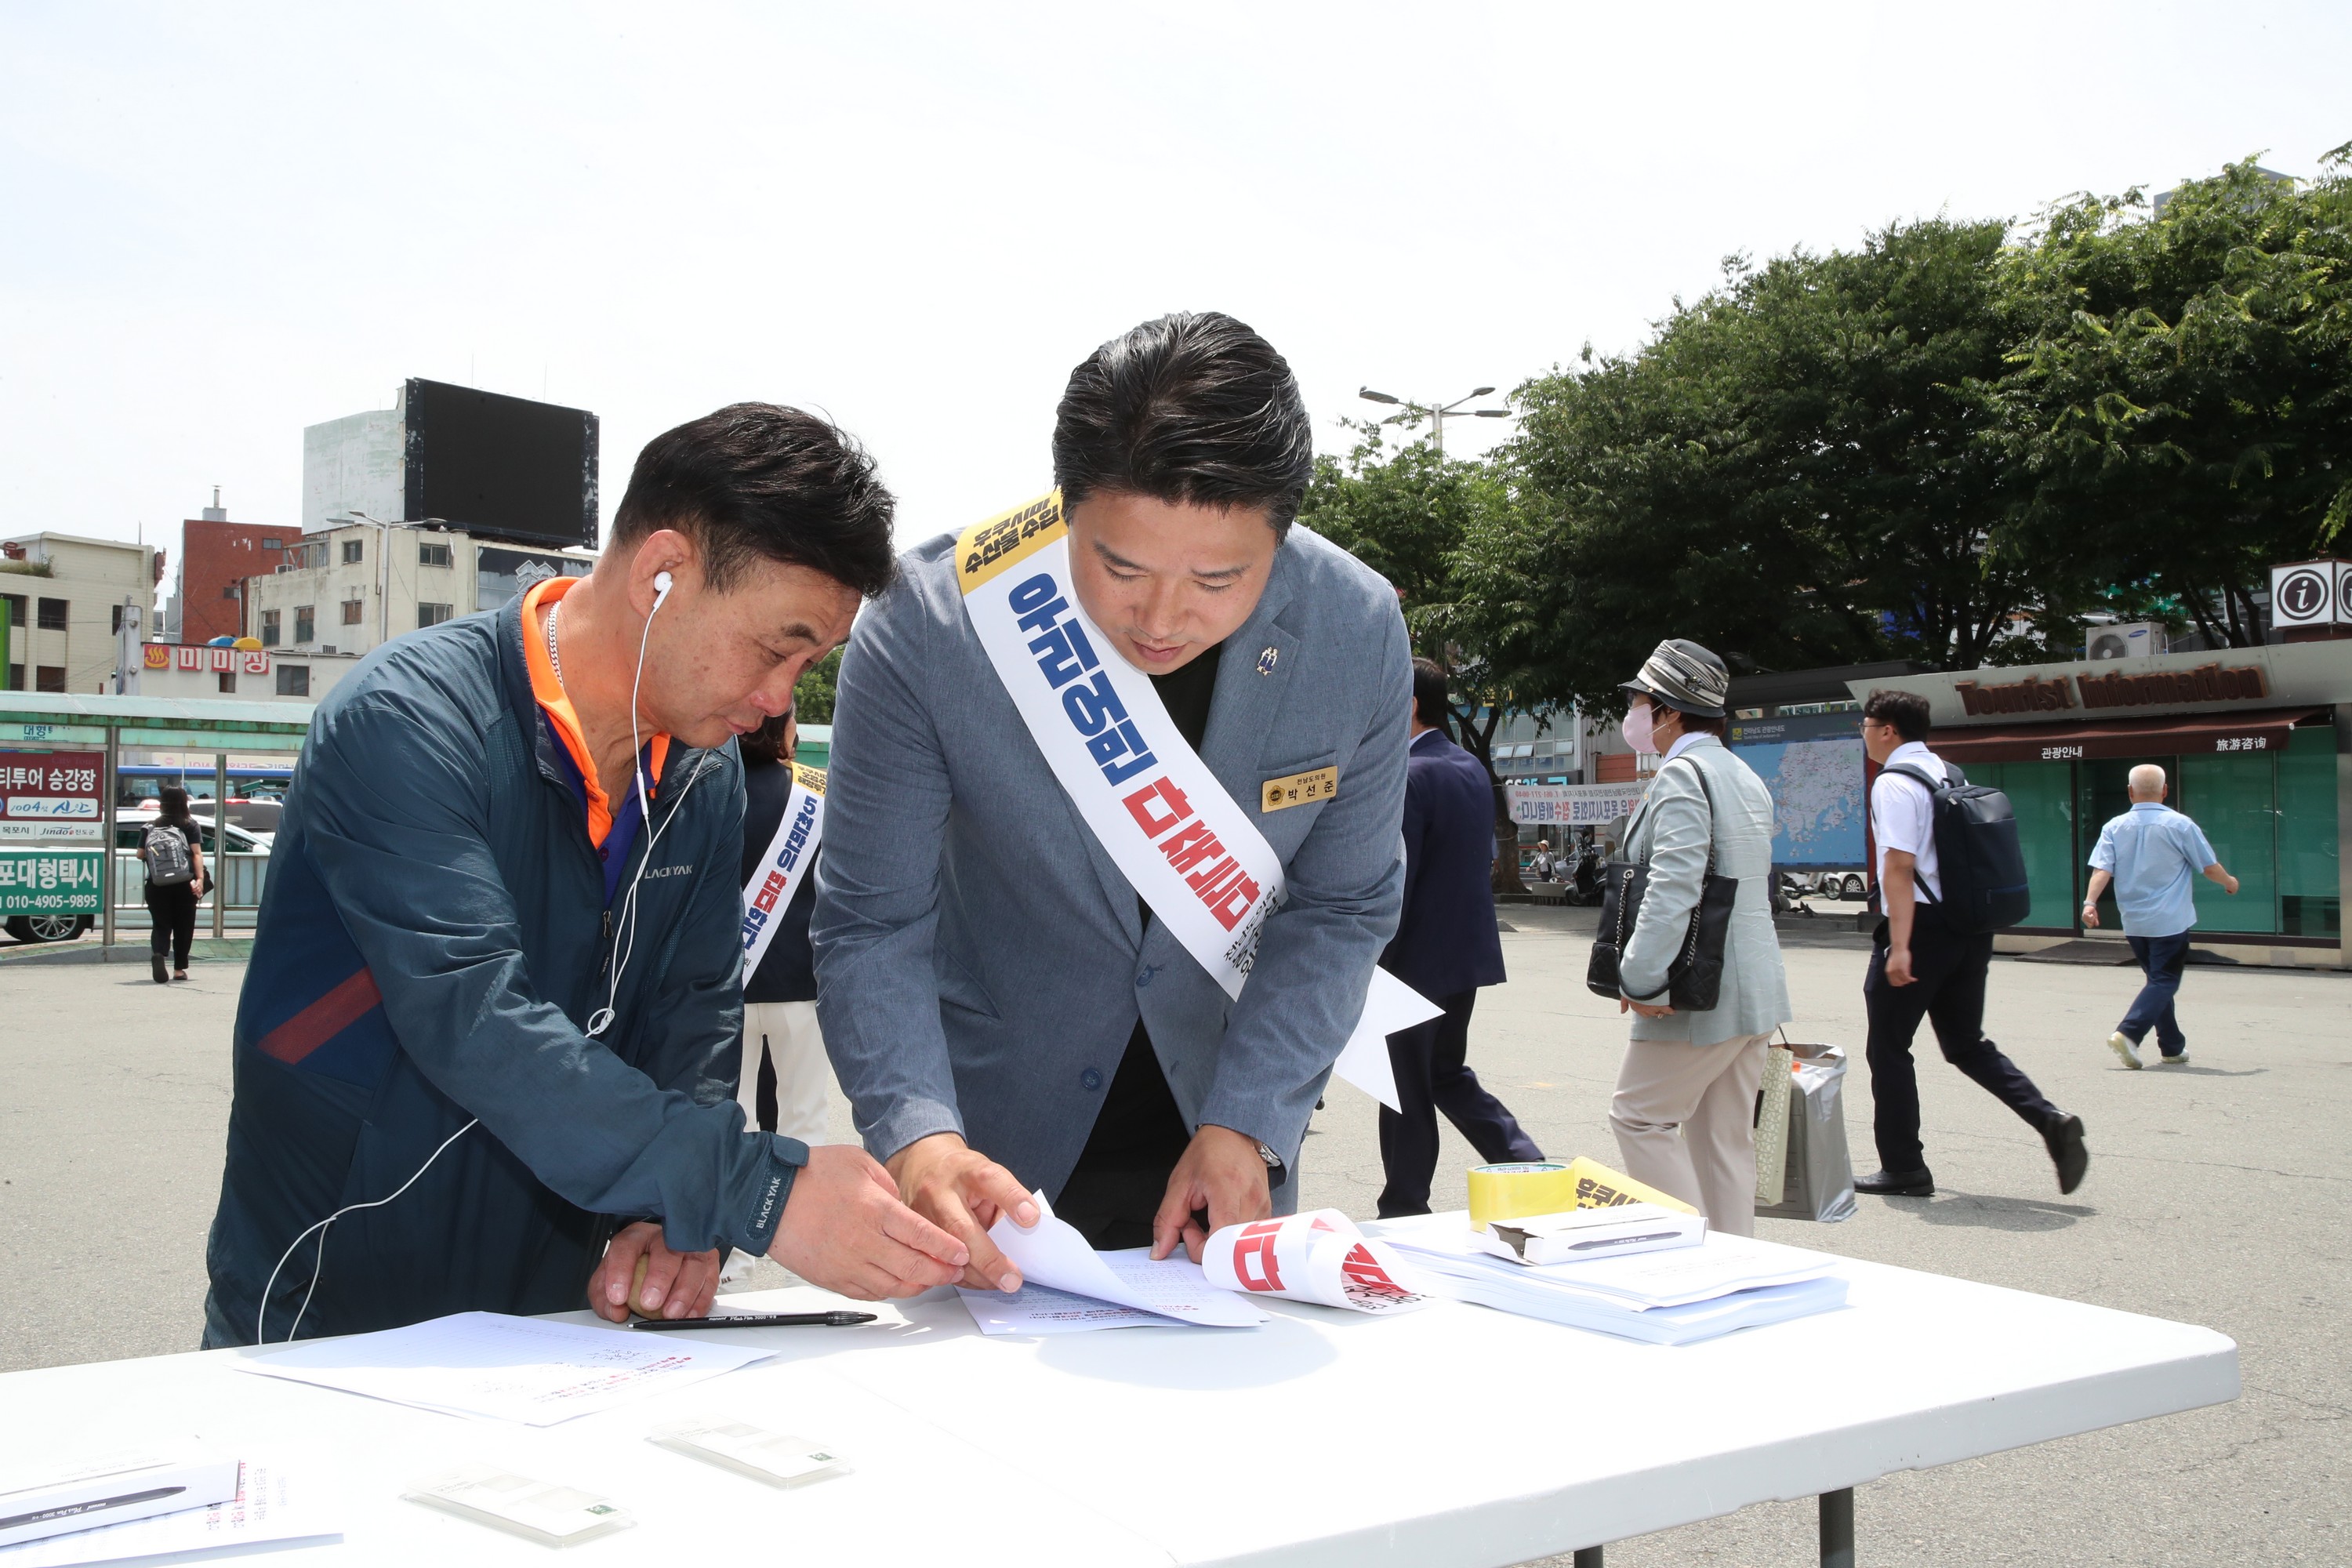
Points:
x=771 y=888
x=1318 y=1257
x=1189 y=849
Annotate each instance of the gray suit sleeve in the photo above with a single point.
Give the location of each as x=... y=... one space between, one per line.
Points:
x=1315 y=959
x=1679 y=829
x=878 y=899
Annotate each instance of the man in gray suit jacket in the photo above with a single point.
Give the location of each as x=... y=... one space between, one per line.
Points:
x=1003 y=1012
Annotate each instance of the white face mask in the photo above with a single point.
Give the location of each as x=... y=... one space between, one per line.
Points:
x=1636 y=728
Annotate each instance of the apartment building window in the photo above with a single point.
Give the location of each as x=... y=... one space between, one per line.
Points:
x=306 y=623
x=228 y=683
x=432 y=614
x=353 y=610
x=15 y=677
x=431 y=552
x=48 y=678
x=15 y=604
x=269 y=628
x=273 y=544
x=53 y=619
x=293 y=680
x=353 y=550
x=116 y=628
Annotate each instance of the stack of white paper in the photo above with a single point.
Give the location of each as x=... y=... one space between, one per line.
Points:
x=507 y=1368
x=1669 y=1298
x=1052 y=1255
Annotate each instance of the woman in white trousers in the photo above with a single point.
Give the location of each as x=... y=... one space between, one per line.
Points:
x=1685 y=1108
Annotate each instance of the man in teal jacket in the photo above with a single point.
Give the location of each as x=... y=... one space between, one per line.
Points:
x=491 y=1025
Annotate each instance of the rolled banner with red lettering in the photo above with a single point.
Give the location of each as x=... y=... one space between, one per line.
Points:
x=770 y=891
x=1318 y=1257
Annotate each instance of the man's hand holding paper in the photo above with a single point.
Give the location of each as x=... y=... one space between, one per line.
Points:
x=1221 y=1175
x=964 y=1193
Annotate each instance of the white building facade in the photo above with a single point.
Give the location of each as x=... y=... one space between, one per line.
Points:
x=354 y=587
x=64 y=600
x=249 y=675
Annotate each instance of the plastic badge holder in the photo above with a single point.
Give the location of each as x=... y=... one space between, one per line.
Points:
x=733 y=1445
x=536 y=1511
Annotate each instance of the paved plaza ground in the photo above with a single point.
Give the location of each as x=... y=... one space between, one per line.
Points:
x=2217 y=1194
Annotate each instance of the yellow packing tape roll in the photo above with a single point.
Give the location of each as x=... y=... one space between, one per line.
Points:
x=1512 y=1192
x=1508 y=1191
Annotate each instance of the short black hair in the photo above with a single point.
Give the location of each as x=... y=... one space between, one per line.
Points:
x=1193 y=409
x=1429 y=703
x=1906 y=711
x=766 y=744
x=1714 y=724
x=758 y=481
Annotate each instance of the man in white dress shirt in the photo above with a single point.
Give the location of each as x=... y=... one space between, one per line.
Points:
x=1922 y=968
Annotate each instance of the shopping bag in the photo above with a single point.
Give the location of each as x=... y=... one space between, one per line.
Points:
x=1817 y=1173
x=1772 y=1124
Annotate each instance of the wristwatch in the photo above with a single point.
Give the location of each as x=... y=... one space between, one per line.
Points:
x=1276 y=1172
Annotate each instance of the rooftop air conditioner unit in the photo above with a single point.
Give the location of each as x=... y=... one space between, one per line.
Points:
x=2129 y=639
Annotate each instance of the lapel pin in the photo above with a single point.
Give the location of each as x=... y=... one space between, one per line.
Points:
x=1265 y=662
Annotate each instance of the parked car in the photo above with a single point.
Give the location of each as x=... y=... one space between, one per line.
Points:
x=130 y=824
x=47 y=928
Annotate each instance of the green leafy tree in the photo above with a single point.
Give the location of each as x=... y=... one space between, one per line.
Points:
x=2180 y=392
x=1791 y=471
x=813 y=695
x=1433 y=526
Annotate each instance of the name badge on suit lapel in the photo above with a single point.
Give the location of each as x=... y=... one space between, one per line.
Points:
x=1298 y=789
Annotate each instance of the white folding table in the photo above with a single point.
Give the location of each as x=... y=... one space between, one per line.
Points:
x=1453 y=1437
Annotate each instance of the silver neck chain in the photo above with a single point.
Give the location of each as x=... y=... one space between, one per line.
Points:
x=554 y=657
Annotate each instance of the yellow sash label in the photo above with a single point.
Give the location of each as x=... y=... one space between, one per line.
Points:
x=986 y=549
x=809 y=779
x=1299 y=789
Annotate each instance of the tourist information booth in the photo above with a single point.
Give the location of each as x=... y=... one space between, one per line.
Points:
x=2257 y=743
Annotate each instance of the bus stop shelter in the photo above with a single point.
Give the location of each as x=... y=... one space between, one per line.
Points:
x=50 y=861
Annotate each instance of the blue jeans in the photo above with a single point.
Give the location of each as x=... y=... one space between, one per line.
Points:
x=2162 y=958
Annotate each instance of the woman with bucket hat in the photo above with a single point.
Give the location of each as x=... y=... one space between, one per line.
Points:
x=1684 y=1109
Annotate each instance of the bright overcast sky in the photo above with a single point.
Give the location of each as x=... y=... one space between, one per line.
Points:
x=221 y=222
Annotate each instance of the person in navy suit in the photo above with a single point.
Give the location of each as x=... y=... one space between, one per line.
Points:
x=1445 y=948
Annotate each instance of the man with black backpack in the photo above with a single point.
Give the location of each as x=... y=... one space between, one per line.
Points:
x=1950 y=875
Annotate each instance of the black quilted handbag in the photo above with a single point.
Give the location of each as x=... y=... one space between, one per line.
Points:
x=1694 y=979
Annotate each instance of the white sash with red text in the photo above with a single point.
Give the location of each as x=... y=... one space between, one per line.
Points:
x=770 y=891
x=1186 y=846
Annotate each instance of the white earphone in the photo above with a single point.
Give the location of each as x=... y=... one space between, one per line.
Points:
x=601 y=1019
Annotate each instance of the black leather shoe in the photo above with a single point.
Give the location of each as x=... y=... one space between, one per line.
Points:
x=2066 y=1152
x=1889 y=1185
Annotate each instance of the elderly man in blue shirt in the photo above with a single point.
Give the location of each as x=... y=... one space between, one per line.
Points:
x=2151 y=853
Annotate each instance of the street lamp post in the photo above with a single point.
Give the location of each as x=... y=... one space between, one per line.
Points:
x=1436 y=413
